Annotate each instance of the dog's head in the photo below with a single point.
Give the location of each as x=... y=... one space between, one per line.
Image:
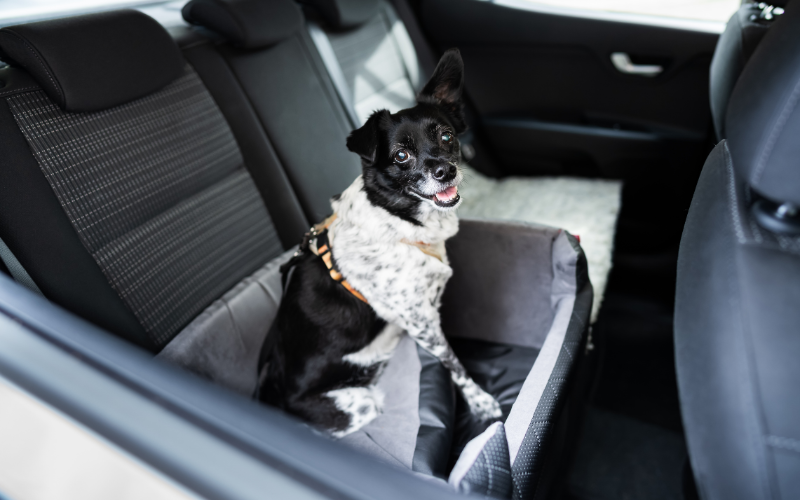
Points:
x=410 y=158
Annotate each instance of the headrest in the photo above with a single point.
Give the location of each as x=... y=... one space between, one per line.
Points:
x=95 y=61
x=763 y=122
x=734 y=48
x=343 y=14
x=247 y=23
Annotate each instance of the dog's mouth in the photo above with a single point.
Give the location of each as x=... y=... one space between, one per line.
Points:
x=447 y=198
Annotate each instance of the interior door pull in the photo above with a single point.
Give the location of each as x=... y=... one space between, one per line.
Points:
x=622 y=61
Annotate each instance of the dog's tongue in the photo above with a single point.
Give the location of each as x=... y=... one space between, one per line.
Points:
x=448 y=194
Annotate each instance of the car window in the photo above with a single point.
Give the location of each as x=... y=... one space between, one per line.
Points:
x=698 y=15
x=704 y=10
x=23 y=11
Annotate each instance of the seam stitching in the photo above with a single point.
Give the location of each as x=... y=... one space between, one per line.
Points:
x=41 y=61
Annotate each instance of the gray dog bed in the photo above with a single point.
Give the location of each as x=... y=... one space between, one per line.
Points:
x=516 y=312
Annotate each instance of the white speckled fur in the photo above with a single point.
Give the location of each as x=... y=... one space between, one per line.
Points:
x=402 y=284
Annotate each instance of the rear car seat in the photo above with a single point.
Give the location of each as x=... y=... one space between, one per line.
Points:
x=375 y=64
x=150 y=201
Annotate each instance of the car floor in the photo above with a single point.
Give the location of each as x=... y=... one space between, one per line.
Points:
x=631 y=445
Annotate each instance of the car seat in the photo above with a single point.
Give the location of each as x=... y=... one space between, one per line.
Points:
x=738 y=286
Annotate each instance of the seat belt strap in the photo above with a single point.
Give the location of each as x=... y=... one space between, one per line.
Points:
x=328 y=56
x=18 y=272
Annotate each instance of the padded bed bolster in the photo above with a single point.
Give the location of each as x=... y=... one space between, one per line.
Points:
x=526 y=288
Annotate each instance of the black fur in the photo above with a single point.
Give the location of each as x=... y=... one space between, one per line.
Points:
x=319 y=321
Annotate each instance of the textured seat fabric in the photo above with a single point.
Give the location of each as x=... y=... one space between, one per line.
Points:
x=736 y=314
x=186 y=221
x=378 y=64
x=155 y=189
x=484 y=467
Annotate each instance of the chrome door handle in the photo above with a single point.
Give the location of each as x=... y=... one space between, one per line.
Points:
x=622 y=61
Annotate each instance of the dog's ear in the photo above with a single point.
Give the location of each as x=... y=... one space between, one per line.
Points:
x=445 y=88
x=364 y=141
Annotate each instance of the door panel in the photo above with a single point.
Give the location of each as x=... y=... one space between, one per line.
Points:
x=551 y=102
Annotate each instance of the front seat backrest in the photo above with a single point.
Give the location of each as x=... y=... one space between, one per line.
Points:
x=737 y=310
x=742 y=35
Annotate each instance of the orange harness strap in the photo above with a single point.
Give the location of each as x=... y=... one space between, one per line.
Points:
x=319 y=244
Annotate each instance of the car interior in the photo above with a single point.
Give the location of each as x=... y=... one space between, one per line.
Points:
x=622 y=275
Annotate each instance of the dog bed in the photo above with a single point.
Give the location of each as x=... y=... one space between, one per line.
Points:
x=585 y=207
x=516 y=312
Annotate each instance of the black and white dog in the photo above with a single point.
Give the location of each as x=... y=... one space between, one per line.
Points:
x=330 y=341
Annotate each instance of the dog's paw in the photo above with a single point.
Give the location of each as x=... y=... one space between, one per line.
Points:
x=361 y=405
x=481 y=403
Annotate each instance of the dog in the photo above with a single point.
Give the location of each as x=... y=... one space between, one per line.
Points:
x=375 y=269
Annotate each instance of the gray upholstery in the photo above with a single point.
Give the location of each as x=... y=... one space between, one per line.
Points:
x=736 y=343
x=379 y=64
x=734 y=48
x=736 y=308
x=158 y=193
x=764 y=117
x=224 y=341
x=392 y=437
x=503 y=286
x=530 y=424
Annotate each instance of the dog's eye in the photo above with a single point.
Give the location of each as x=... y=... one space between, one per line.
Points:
x=447 y=138
x=401 y=156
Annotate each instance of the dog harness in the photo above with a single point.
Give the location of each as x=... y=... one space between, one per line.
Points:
x=320 y=245
x=317 y=242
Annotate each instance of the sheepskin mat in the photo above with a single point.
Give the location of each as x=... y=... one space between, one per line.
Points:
x=584 y=207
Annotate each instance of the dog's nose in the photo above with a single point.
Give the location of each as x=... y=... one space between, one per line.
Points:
x=444 y=172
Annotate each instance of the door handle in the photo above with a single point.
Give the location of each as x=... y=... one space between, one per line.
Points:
x=622 y=61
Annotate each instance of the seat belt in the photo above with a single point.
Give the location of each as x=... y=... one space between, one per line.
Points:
x=16 y=270
x=328 y=56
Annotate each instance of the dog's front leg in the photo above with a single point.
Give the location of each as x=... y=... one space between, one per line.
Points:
x=481 y=403
x=424 y=326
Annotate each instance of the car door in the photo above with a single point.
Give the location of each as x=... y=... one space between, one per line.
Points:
x=588 y=93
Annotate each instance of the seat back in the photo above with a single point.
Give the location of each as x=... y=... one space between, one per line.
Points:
x=127 y=197
x=287 y=86
x=738 y=287
x=367 y=50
